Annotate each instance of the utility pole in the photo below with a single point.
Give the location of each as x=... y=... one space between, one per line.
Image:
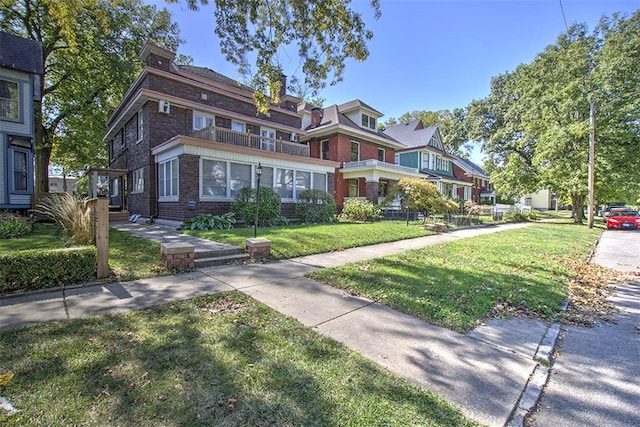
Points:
x=592 y=165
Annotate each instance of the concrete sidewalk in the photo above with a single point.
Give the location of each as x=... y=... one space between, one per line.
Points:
x=484 y=372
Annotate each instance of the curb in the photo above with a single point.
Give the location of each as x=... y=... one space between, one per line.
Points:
x=535 y=385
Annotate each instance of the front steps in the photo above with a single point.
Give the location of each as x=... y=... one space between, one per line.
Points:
x=211 y=258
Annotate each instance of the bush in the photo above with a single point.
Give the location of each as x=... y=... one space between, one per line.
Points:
x=359 y=210
x=206 y=222
x=12 y=226
x=269 y=209
x=515 y=217
x=71 y=214
x=315 y=206
x=39 y=269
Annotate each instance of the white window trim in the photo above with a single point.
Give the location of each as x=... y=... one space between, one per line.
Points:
x=351 y=151
x=384 y=154
x=204 y=116
x=20 y=101
x=171 y=198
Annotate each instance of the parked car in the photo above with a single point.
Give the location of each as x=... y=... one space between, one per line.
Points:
x=606 y=209
x=623 y=218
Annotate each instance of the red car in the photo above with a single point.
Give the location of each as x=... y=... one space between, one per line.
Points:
x=623 y=218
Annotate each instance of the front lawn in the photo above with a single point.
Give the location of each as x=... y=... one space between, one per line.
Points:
x=300 y=240
x=223 y=360
x=524 y=272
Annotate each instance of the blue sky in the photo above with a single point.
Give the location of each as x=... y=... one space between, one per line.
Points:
x=425 y=54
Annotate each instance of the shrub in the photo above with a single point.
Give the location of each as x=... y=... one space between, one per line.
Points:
x=515 y=217
x=71 y=214
x=207 y=222
x=39 y=269
x=268 y=211
x=359 y=210
x=315 y=206
x=12 y=226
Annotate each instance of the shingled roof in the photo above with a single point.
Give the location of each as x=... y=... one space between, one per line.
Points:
x=412 y=134
x=20 y=54
x=215 y=76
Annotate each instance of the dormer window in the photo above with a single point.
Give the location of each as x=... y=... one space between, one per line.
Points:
x=368 y=121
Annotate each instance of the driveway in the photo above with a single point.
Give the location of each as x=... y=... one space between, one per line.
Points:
x=594 y=381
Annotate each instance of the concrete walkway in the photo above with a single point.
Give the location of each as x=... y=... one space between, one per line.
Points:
x=484 y=372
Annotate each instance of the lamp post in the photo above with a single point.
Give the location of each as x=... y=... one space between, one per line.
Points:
x=255 y=219
x=408 y=190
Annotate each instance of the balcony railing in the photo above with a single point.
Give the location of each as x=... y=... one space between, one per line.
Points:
x=250 y=140
x=376 y=163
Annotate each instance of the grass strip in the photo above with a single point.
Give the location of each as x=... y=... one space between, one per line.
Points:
x=223 y=360
x=456 y=285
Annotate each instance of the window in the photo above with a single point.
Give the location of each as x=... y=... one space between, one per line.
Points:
x=368 y=121
x=214 y=178
x=355 y=151
x=20 y=171
x=303 y=181
x=320 y=181
x=269 y=141
x=238 y=126
x=115 y=187
x=140 y=126
x=324 y=149
x=240 y=176
x=353 y=188
x=138 y=181
x=284 y=183
x=168 y=180
x=266 y=179
x=201 y=121
x=381 y=154
x=9 y=100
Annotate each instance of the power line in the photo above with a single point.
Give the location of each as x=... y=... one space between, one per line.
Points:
x=564 y=18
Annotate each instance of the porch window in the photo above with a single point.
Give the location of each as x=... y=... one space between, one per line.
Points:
x=355 y=151
x=353 y=188
x=266 y=180
x=214 y=178
x=238 y=126
x=239 y=176
x=269 y=139
x=168 y=175
x=9 y=100
x=320 y=181
x=284 y=183
x=138 y=181
x=303 y=181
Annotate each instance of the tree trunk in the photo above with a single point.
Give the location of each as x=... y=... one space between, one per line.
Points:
x=42 y=154
x=577 y=208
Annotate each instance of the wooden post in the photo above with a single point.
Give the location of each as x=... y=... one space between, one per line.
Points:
x=101 y=233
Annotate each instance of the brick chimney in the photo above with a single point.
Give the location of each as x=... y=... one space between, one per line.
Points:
x=156 y=56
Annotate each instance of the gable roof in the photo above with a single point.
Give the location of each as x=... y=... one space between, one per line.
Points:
x=469 y=166
x=357 y=104
x=21 y=54
x=414 y=135
x=333 y=115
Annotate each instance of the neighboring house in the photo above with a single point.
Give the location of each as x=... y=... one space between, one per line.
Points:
x=423 y=150
x=21 y=70
x=348 y=133
x=542 y=200
x=184 y=140
x=60 y=181
x=481 y=189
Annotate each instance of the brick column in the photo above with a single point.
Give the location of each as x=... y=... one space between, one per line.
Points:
x=258 y=247
x=178 y=255
x=372 y=189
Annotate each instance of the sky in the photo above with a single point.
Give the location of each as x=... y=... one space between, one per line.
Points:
x=425 y=54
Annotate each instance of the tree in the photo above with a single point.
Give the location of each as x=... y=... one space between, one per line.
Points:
x=327 y=33
x=90 y=57
x=535 y=123
x=450 y=123
x=424 y=196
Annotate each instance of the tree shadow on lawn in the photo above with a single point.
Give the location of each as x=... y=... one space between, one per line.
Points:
x=223 y=360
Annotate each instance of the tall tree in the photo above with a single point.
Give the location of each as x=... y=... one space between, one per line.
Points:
x=90 y=57
x=535 y=123
x=326 y=32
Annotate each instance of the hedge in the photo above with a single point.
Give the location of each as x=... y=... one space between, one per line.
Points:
x=40 y=269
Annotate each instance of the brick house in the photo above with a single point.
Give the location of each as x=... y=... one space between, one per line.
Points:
x=348 y=133
x=185 y=139
x=21 y=71
x=481 y=190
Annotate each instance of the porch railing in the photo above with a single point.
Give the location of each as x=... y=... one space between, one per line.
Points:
x=250 y=140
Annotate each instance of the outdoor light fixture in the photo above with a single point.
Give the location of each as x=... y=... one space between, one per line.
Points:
x=255 y=218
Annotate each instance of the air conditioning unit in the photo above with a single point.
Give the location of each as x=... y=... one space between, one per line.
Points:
x=164 y=107
x=294 y=137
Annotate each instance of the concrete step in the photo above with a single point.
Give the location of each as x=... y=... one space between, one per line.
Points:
x=119 y=216
x=204 y=253
x=221 y=260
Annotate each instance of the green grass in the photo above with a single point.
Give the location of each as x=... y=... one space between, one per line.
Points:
x=44 y=236
x=457 y=284
x=299 y=240
x=223 y=360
